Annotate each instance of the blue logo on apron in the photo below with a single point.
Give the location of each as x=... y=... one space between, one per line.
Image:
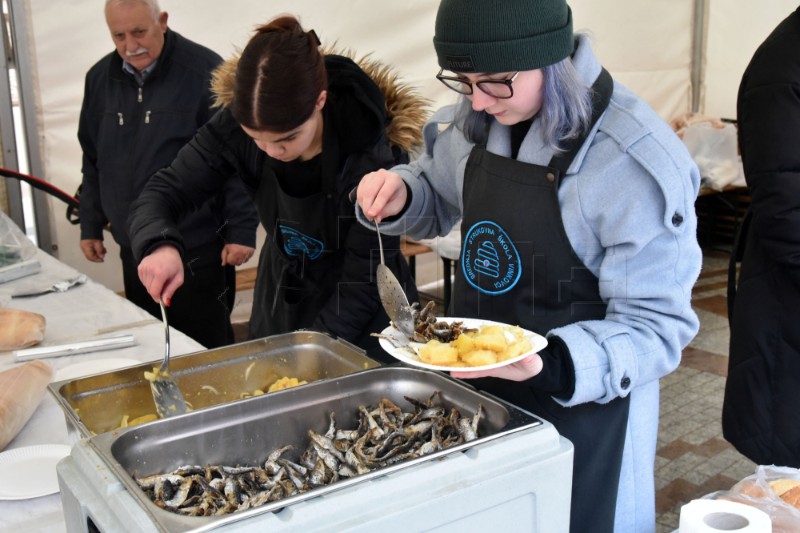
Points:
x=296 y=243
x=490 y=261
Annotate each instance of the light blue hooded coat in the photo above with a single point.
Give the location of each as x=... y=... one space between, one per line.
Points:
x=627 y=203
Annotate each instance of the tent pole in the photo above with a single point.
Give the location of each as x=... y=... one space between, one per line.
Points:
x=698 y=53
x=20 y=43
x=7 y=139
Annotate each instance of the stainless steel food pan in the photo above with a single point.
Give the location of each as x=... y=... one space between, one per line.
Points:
x=96 y=404
x=244 y=432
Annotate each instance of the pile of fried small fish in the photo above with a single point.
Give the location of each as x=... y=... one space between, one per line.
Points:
x=385 y=435
x=427 y=327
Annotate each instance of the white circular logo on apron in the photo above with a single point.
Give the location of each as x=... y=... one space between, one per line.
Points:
x=490 y=261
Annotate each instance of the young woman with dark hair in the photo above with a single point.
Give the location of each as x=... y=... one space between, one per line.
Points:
x=299 y=128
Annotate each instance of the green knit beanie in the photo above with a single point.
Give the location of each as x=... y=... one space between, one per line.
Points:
x=502 y=35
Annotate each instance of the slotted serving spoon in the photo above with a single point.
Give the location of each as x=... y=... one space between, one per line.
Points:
x=393 y=298
x=166 y=394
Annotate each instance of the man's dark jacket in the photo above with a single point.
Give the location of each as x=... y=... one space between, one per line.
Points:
x=128 y=132
x=761 y=411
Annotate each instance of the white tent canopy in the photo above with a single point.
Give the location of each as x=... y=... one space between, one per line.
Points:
x=648 y=45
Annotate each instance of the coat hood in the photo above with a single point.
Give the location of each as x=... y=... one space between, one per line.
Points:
x=406 y=110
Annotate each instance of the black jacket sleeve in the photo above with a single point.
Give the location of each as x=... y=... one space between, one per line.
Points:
x=199 y=172
x=91 y=213
x=558 y=372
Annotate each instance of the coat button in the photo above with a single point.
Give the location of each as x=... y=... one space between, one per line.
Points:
x=551 y=177
x=677 y=220
x=625 y=383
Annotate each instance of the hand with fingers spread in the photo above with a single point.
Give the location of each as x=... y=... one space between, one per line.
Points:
x=161 y=273
x=236 y=254
x=381 y=194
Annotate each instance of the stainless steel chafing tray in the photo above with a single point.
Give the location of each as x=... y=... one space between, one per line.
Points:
x=245 y=432
x=97 y=404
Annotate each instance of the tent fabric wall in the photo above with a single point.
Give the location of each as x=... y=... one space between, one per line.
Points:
x=734 y=31
x=645 y=44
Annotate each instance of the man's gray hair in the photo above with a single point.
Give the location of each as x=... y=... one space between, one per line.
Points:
x=155 y=9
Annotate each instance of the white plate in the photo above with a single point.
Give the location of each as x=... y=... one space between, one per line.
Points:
x=95 y=366
x=30 y=472
x=409 y=355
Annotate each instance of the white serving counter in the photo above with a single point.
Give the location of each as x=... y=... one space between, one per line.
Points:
x=82 y=313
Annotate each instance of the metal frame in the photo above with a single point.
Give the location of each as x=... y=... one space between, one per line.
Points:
x=20 y=42
x=7 y=138
x=698 y=52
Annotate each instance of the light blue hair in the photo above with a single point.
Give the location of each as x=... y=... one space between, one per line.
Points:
x=565 y=114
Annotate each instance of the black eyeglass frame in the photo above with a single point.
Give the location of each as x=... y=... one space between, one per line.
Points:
x=468 y=90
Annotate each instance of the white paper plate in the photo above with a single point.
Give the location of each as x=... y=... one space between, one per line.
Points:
x=95 y=366
x=30 y=472
x=407 y=354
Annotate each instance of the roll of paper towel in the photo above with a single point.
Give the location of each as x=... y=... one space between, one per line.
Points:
x=714 y=516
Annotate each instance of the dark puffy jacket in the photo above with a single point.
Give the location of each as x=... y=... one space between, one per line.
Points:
x=128 y=132
x=356 y=111
x=761 y=411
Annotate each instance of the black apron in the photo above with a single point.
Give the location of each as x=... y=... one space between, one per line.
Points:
x=300 y=267
x=518 y=266
x=299 y=264
x=296 y=265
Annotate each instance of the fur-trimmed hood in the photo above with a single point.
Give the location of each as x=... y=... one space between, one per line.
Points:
x=406 y=110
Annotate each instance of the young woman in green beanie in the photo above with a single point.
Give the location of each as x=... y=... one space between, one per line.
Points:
x=576 y=204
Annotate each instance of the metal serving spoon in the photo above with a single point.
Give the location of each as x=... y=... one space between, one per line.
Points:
x=393 y=298
x=166 y=394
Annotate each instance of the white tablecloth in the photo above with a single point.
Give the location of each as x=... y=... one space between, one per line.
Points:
x=78 y=314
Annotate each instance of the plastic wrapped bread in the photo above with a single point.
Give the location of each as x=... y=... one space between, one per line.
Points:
x=788 y=490
x=21 y=390
x=771 y=489
x=20 y=329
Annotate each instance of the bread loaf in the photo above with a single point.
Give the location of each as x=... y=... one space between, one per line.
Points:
x=792 y=496
x=21 y=391
x=20 y=329
x=788 y=490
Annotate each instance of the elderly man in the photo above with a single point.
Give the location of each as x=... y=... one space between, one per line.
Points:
x=141 y=104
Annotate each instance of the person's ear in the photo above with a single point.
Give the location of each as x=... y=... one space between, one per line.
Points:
x=162 y=21
x=321 y=99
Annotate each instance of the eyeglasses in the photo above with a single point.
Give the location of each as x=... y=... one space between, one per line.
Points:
x=495 y=88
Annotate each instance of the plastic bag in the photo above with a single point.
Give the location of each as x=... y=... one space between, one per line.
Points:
x=714 y=148
x=15 y=246
x=756 y=491
x=20 y=329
